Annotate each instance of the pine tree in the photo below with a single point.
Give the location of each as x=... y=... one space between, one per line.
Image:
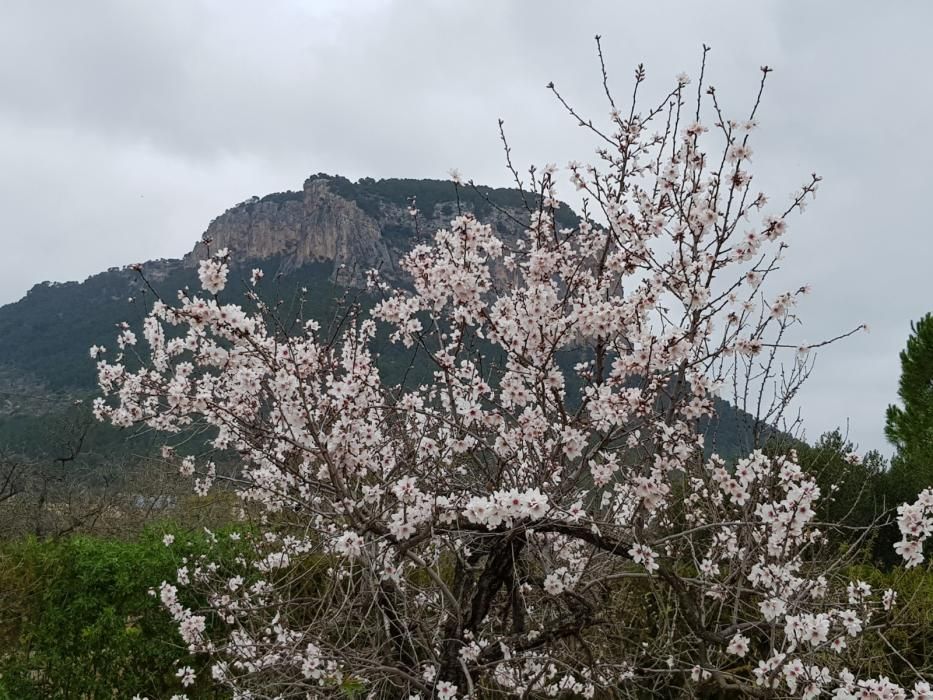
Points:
x=910 y=426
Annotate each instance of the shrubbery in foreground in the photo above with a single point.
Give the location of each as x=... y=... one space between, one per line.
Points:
x=77 y=619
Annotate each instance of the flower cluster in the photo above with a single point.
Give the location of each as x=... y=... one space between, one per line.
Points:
x=915 y=521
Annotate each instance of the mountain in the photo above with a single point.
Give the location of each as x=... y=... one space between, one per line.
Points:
x=355 y=226
x=321 y=239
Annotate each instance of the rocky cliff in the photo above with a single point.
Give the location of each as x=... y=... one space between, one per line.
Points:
x=353 y=226
x=314 y=225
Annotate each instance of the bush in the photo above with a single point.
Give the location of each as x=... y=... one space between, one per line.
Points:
x=77 y=621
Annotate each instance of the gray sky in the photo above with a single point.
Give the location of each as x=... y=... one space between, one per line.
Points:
x=125 y=126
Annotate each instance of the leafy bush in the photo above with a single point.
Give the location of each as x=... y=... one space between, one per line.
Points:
x=906 y=628
x=77 y=621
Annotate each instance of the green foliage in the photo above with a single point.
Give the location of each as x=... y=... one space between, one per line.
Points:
x=857 y=495
x=730 y=432
x=55 y=435
x=76 y=619
x=394 y=232
x=910 y=427
x=370 y=195
x=283 y=197
x=906 y=627
x=86 y=314
x=41 y=333
x=852 y=490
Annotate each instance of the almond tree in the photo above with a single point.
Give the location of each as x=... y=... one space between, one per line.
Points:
x=520 y=526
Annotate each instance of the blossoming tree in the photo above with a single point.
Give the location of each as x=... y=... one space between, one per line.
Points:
x=524 y=526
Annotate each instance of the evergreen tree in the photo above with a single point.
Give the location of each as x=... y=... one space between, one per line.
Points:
x=910 y=427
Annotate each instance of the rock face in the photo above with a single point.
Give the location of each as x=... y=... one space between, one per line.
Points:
x=311 y=226
x=354 y=226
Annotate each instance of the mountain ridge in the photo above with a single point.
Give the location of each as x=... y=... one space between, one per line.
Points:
x=322 y=238
x=325 y=235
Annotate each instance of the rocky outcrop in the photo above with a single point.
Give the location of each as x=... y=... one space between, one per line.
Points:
x=311 y=226
x=353 y=226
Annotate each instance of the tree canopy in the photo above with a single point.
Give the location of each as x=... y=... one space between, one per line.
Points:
x=910 y=426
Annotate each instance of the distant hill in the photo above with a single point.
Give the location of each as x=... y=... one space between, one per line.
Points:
x=321 y=239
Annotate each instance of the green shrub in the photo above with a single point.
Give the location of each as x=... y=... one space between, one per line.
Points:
x=77 y=621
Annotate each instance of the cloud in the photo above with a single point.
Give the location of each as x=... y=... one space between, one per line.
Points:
x=125 y=127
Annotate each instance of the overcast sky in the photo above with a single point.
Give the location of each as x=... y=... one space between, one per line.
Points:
x=125 y=126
